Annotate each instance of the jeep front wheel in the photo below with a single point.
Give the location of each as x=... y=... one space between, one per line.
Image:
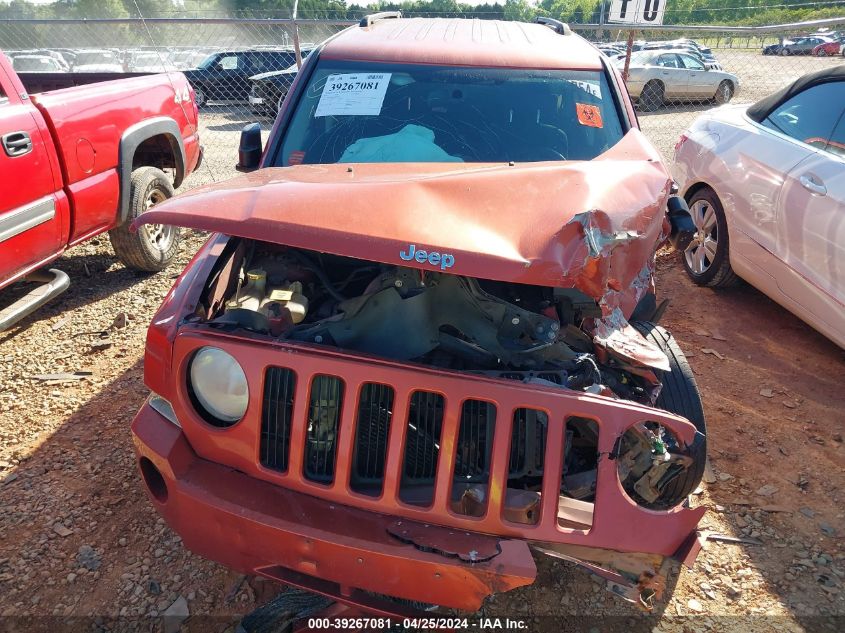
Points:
x=678 y=394
x=153 y=246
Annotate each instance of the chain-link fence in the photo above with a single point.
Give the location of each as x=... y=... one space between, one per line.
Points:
x=242 y=68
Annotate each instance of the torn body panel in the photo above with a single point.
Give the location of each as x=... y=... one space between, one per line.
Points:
x=551 y=224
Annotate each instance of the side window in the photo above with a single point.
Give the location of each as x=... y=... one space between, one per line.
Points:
x=811 y=115
x=230 y=62
x=668 y=61
x=691 y=62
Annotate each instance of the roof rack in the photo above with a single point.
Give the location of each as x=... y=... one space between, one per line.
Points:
x=368 y=20
x=561 y=28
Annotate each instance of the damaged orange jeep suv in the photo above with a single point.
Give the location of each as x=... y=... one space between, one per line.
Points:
x=421 y=339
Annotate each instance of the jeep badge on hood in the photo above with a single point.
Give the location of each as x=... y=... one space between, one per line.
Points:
x=444 y=260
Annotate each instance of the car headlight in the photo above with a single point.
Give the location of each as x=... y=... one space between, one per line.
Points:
x=219 y=386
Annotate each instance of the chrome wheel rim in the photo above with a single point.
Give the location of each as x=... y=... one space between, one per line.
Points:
x=159 y=236
x=701 y=251
x=726 y=92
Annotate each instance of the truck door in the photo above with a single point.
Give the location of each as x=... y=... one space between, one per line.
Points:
x=31 y=228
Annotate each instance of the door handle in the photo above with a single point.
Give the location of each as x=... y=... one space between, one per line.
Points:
x=16 y=144
x=809 y=183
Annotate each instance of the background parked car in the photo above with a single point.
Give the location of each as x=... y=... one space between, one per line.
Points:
x=655 y=77
x=183 y=60
x=225 y=75
x=35 y=64
x=766 y=190
x=97 y=61
x=691 y=47
x=64 y=66
x=833 y=47
x=803 y=45
x=149 y=62
x=268 y=90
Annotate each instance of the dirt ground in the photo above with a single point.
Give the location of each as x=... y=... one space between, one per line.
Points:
x=80 y=544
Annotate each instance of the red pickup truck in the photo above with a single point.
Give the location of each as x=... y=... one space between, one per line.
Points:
x=79 y=161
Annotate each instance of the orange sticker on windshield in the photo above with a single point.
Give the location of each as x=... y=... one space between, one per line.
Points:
x=588 y=115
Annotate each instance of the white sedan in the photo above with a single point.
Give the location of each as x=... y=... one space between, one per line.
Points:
x=655 y=77
x=766 y=190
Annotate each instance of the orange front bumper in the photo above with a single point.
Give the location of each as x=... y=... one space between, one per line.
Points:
x=260 y=528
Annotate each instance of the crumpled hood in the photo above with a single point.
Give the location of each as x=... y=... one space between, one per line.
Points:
x=592 y=225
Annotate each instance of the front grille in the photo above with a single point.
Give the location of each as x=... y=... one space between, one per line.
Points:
x=528 y=443
x=276 y=418
x=375 y=410
x=475 y=440
x=422 y=442
x=323 y=425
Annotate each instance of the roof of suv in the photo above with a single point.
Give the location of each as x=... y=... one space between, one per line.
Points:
x=463 y=42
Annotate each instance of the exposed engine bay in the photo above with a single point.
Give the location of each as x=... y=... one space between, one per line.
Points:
x=538 y=335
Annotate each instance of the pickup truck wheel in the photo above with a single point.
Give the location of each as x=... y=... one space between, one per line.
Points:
x=153 y=246
x=679 y=395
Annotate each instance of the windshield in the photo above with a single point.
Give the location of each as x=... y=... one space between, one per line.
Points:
x=378 y=113
x=208 y=62
x=84 y=59
x=34 y=64
x=150 y=59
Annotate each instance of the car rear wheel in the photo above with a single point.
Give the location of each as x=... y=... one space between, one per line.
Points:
x=724 y=92
x=822 y=53
x=199 y=97
x=784 y=51
x=679 y=394
x=652 y=96
x=153 y=246
x=706 y=259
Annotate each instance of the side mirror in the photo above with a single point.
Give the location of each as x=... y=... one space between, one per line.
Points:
x=680 y=220
x=249 y=150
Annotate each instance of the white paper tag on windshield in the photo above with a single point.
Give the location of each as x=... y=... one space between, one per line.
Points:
x=355 y=94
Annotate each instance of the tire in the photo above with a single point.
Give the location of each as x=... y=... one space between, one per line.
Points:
x=784 y=52
x=199 y=97
x=652 y=96
x=821 y=53
x=678 y=395
x=724 y=92
x=710 y=243
x=153 y=246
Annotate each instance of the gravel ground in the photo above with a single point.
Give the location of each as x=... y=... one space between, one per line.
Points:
x=79 y=540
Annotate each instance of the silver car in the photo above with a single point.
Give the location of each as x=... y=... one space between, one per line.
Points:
x=655 y=77
x=766 y=190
